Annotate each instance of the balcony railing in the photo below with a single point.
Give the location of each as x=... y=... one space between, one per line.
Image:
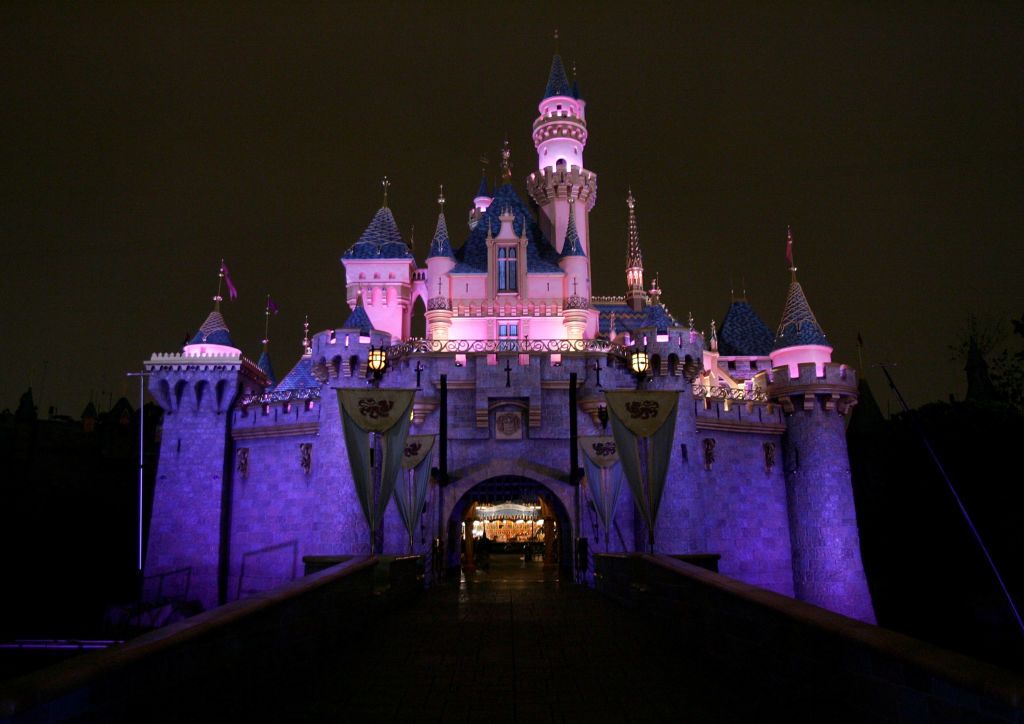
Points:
x=493 y=346
x=716 y=392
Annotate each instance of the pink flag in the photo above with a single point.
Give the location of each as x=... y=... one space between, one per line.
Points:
x=272 y=305
x=232 y=292
x=789 y=245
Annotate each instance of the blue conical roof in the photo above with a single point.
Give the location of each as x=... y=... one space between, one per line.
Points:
x=381 y=240
x=440 y=245
x=268 y=369
x=359 y=319
x=540 y=255
x=798 y=326
x=743 y=334
x=482 y=190
x=558 y=81
x=572 y=245
x=300 y=378
x=213 y=331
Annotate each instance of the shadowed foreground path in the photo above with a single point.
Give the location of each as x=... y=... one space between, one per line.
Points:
x=510 y=647
x=506 y=645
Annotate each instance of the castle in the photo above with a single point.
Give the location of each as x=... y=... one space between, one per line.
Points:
x=254 y=471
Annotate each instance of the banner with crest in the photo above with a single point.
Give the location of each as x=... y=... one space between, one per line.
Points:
x=411 y=492
x=604 y=477
x=384 y=413
x=644 y=424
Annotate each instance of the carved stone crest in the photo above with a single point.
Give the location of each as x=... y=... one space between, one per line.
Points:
x=508 y=426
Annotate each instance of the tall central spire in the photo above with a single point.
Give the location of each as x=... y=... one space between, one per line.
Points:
x=634 y=259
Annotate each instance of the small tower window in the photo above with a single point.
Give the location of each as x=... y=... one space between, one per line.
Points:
x=507 y=331
x=508 y=269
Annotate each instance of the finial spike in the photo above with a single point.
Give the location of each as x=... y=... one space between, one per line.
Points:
x=386 y=185
x=217 y=298
x=440 y=198
x=412 y=237
x=306 y=348
x=506 y=161
x=789 y=251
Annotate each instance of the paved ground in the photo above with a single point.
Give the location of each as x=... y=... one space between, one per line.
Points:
x=508 y=646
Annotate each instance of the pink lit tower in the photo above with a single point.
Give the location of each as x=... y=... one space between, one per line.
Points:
x=562 y=187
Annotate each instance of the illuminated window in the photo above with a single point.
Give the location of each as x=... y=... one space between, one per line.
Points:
x=508 y=269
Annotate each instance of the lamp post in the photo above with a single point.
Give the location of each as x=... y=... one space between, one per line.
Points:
x=142 y=442
x=640 y=364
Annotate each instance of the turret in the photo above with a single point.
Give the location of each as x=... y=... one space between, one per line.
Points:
x=799 y=338
x=440 y=261
x=827 y=568
x=560 y=135
x=213 y=337
x=379 y=267
x=635 y=296
x=483 y=196
x=197 y=389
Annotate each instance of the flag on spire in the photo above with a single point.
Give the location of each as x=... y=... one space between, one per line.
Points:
x=272 y=307
x=232 y=292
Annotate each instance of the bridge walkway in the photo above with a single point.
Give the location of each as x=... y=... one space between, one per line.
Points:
x=508 y=646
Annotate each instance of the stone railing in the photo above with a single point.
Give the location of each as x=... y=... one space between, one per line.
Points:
x=802 y=659
x=439 y=303
x=576 y=302
x=716 y=392
x=168 y=674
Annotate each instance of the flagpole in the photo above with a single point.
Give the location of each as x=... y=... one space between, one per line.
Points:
x=266 y=323
x=220 y=280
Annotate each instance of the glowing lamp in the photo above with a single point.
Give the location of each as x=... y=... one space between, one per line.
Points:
x=377 y=361
x=640 y=362
x=640 y=365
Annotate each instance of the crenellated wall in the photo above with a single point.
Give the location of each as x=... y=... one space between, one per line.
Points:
x=731 y=487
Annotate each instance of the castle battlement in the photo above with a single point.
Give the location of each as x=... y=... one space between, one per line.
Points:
x=836 y=389
x=750 y=416
x=835 y=374
x=549 y=183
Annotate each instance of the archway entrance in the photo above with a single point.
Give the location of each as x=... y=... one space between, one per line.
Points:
x=510 y=527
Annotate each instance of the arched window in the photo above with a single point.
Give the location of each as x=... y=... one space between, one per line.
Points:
x=508 y=270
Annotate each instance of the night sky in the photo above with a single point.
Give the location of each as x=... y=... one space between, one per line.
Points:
x=142 y=143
